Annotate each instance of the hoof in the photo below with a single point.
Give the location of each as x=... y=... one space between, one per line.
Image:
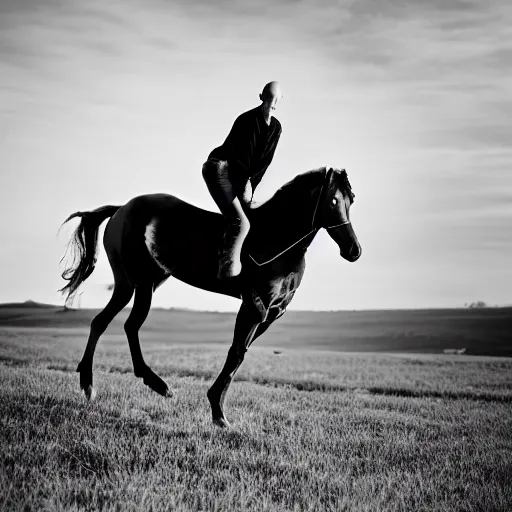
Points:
x=221 y=422
x=90 y=393
x=153 y=381
x=86 y=383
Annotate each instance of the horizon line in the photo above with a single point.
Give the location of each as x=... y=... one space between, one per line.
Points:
x=471 y=305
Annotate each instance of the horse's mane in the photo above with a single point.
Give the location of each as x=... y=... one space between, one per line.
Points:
x=305 y=181
x=345 y=184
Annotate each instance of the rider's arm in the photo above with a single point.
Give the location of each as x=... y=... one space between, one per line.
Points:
x=243 y=144
x=266 y=161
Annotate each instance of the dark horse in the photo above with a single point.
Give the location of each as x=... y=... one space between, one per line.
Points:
x=156 y=236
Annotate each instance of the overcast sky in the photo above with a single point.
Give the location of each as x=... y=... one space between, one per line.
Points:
x=104 y=100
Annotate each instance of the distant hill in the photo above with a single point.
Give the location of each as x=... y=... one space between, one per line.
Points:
x=485 y=331
x=29 y=304
x=34 y=314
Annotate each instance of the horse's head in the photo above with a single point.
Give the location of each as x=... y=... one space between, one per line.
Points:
x=334 y=213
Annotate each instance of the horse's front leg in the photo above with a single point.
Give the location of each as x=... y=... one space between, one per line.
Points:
x=247 y=322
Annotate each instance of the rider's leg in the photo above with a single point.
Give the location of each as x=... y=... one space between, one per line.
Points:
x=236 y=232
x=215 y=174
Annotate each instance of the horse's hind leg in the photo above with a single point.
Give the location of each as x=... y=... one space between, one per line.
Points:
x=122 y=294
x=140 y=310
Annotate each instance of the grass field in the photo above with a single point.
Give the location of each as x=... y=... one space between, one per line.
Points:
x=314 y=427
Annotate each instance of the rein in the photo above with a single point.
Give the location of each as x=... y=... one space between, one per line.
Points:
x=312 y=232
x=338 y=225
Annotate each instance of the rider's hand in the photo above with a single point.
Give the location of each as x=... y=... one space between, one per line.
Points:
x=248 y=193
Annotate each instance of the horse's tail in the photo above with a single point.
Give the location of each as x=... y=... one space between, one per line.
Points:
x=84 y=248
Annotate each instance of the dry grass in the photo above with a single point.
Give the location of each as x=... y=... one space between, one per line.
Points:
x=374 y=432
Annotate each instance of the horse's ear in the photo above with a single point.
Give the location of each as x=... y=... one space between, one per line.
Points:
x=329 y=174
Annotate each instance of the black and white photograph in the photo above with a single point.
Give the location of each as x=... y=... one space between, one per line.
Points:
x=255 y=255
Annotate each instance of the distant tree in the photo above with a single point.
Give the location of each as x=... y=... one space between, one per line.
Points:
x=477 y=305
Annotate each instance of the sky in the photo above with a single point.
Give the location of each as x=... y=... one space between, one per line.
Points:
x=103 y=101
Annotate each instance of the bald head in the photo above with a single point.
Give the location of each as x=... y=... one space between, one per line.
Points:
x=270 y=91
x=270 y=97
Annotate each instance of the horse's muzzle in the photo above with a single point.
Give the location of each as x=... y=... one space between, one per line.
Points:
x=346 y=239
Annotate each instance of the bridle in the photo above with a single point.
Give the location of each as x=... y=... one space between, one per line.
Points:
x=314 y=229
x=327 y=180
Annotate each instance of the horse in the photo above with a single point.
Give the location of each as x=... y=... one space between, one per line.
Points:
x=155 y=236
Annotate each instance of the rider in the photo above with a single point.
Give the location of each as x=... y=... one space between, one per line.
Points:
x=234 y=170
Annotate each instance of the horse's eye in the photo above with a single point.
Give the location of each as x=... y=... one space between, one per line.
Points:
x=334 y=201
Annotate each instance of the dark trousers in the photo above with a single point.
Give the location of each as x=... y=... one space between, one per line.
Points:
x=223 y=188
x=228 y=195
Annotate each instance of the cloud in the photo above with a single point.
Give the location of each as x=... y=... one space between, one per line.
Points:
x=444 y=61
x=412 y=97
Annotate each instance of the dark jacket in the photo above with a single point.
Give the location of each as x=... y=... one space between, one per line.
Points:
x=249 y=147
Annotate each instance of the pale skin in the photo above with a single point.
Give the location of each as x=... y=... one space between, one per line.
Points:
x=269 y=104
